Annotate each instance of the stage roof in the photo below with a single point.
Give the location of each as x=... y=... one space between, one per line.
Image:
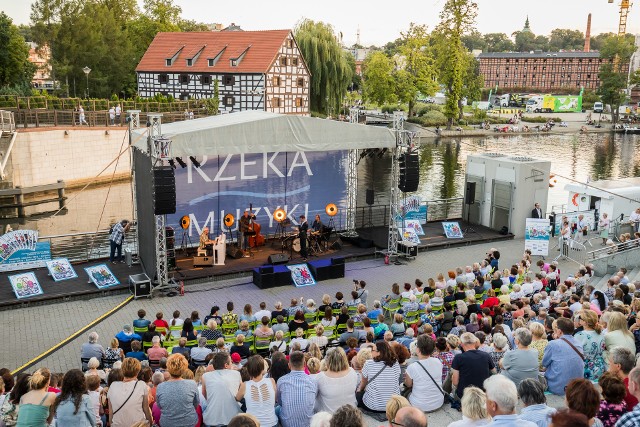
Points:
x=261 y=131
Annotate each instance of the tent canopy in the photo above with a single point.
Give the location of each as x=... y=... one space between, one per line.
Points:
x=261 y=131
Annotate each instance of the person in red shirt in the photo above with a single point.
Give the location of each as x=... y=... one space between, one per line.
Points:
x=491 y=301
x=161 y=323
x=621 y=362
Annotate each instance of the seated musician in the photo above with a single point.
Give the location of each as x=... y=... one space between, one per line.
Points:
x=204 y=238
x=317 y=224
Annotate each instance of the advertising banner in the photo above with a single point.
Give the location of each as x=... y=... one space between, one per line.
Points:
x=26 y=259
x=412 y=208
x=572 y=217
x=536 y=236
x=302 y=183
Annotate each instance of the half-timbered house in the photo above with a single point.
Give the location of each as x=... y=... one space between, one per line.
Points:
x=254 y=70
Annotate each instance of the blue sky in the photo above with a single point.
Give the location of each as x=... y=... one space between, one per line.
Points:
x=381 y=21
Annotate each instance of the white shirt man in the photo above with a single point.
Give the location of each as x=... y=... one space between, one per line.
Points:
x=581 y=229
x=221 y=405
x=635 y=218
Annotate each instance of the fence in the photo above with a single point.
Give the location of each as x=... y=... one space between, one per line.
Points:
x=82 y=247
x=50 y=118
x=13 y=102
x=437 y=210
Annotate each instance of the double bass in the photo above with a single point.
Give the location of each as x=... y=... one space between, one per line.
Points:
x=256 y=239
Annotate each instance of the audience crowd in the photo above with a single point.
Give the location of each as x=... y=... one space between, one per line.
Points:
x=477 y=338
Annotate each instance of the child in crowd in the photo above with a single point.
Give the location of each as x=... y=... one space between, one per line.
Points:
x=93 y=387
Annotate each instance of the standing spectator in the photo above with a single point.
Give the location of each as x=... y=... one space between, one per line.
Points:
x=296 y=394
x=612 y=404
x=563 y=358
x=118 y=112
x=379 y=378
x=522 y=362
x=177 y=398
x=581 y=396
x=221 y=406
x=259 y=392
x=73 y=406
x=593 y=344
x=91 y=349
x=128 y=399
x=535 y=408
x=117 y=238
x=337 y=383
x=35 y=406
x=621 y=362
x=425 y=376
x=471 y=367
x=474 y=409
x=112 y=116
x=81 y=119
x=502 y=398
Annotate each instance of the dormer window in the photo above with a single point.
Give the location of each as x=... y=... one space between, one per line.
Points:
x=189 y=62
x=168 y=62
x=234 y=62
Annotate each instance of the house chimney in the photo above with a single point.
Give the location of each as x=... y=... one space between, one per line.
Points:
x=587 y=36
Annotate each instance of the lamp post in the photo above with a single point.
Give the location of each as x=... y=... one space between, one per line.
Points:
x=87 y=70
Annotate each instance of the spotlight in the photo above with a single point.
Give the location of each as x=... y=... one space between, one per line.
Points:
x=194 y=161
x=181 y=162
x=279 y=215
x=331 y=209
x=172 y=163
x=229 y=220
x=184 y=222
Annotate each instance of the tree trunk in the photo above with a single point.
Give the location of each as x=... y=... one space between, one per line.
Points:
x=411 y=107
x=460 y=111
x=449 y=123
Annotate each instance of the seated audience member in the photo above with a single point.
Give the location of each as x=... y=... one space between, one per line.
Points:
x=181 y=348
x=567 y=418
x=298 y=322
x=279 y=311
x=200 y=353
x=93 y=366
x=502 y=398
x=244 y=329
x=135 y=352
x=347 y=416
x=300 y=340
x=425 y=376
x=91 y=349
x=379 y=378
x=278 y=344
x=263 y=333
x=161 y=323
x=157 y=352
x=151 y=332
x=562 y=357
x=280 y=325
x=621 y=362
x=214 y=315
x=471 y=367
x=294 y=386
x=410 y=416
x=612 y=404
x=631 y=419
x=535 y=408
x=220 y=407
x=522 y=362
x=474 y=408
x=125 y=336
x=241 y=347
x=582 y=396
x=141 y=322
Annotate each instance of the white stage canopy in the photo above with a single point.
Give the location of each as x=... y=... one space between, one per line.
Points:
x=261 y=131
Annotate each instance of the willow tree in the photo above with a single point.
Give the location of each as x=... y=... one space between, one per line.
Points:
x=456 y=19
x=327 y=62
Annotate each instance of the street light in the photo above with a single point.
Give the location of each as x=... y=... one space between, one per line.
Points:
x=87 y=70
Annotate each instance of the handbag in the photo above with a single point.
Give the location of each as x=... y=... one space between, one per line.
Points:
x=574 y=348
x=125 y=402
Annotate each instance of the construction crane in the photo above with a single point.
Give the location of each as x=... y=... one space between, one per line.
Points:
x=625 y=5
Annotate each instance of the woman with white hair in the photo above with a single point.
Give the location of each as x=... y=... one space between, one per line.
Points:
x=499 y=348
x=517 y=293
x=504 y=297
x=474 y=409
x=502 y=398
x=461 y=308
x=522 y=362
x=437 y=301
x=93 y=366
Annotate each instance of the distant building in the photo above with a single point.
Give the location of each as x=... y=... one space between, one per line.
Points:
x=543 y=71
x=41 y=57
x=359 y=55
x=255 y=70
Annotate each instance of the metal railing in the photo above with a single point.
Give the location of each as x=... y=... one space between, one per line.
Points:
x=437 y=210
x=612 y=249
x=7 y=124
x=82 y=247
x=14 y=102
x=51 y=118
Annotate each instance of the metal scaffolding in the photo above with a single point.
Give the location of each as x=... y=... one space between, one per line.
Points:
x=352 y=183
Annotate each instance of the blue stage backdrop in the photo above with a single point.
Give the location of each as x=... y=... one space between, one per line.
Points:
x=299 y=182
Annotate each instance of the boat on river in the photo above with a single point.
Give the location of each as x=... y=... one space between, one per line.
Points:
x=631 y=130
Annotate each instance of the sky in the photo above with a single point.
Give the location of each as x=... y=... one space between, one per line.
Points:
x=381 y=21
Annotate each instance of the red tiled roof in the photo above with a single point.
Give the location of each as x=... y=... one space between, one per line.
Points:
x=263 y=48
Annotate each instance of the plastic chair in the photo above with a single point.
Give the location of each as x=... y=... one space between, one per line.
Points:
x=229 y=328
x=412 y=317
x=391 y=307
x=146 y=345
x=141 y=330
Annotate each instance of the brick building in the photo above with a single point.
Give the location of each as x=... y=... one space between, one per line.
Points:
x=543 y=71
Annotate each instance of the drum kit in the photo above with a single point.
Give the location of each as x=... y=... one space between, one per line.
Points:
x=291 y=242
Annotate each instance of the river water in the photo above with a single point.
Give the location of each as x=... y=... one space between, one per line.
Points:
x=442 y=172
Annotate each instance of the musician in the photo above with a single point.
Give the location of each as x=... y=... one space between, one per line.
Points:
x=204 y=238
x=317 y=224
x=302 y=234
x=635 y=219
x=245 y=227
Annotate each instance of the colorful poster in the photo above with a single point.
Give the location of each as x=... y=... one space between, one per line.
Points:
x=101 y=276
x=452 y=230
x=25 y=258
x=301 y=275
x=25 y=285
x=61 y=269
x=412 y=208
x=536 y=236
x=409 y=235
x=572 y=217
x=415 y=225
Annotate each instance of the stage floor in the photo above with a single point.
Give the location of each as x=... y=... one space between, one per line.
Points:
x=370 y=240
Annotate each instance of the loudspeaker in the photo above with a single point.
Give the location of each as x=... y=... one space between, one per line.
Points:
x=409 y=172
x=552 y=223
x=336 y=245
x=276 y=259
x=234 y=252
x=369 y=197
x=164 y=190
x=337 y=261
x=470 y=193
x=266 y=269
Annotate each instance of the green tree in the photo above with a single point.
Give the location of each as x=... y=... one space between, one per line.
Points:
x=565 y=39
x=475 y=40
x=327 y=62
x=498 y=42
x=613 y=83
x=379 y=83
x=15 y=68
x=456 y=19
x=473 y=80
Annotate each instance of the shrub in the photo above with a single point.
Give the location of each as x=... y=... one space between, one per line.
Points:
x=423 y=109
x=540 y=119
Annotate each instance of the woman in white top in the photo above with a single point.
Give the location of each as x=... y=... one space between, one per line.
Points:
x=259 y=393
x=128 y=399
x=176 y=321
x=379 y=378
x=319 y=338
x=426 y=394
x=336 y=383
x=304 y=343
x=474 y=409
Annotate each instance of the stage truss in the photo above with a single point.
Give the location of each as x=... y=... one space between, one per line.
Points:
x=352 y=183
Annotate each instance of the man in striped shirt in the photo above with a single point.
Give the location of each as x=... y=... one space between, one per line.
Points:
x=297 y=394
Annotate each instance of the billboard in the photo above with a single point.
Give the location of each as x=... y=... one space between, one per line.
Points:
x=301 y=182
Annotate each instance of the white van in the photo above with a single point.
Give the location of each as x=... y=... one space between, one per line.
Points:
x=598 y=107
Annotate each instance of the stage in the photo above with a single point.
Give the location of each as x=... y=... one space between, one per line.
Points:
x=370 y=241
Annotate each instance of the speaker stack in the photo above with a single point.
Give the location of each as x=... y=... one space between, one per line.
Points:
x=409 y=172
x=171 y=247
x=164 y=190
x=470 y=193
x=276 y=259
